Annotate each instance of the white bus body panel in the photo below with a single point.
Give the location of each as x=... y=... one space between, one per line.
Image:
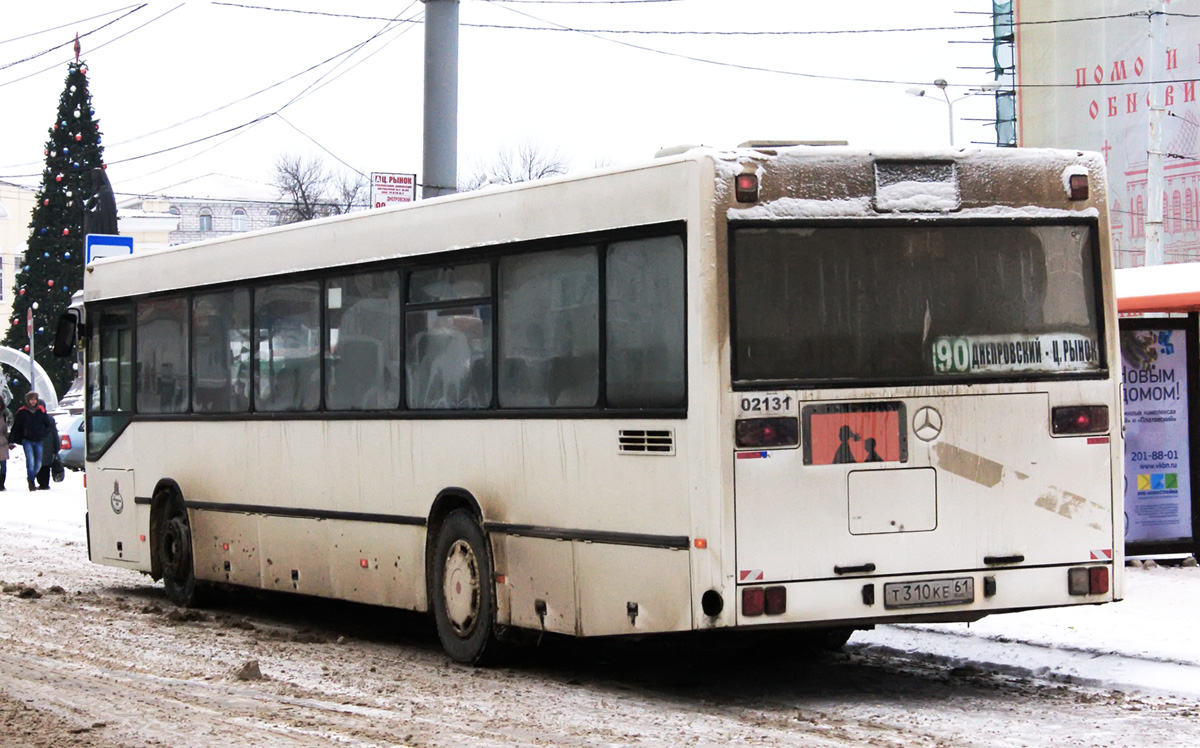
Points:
x=1049 y=501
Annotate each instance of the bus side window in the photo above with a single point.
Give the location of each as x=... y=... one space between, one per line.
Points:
x=110 y=378
x=221 y=356
x=550 y=329
x=362 y=350
x=162 y=356
x=287 y=366
x=645 y=358
x=448 y=343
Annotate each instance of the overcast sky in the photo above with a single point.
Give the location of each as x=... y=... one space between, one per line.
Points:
x=165 y=74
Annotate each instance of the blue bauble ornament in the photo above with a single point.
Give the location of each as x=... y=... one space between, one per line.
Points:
x=66 y=150
x=46 y=255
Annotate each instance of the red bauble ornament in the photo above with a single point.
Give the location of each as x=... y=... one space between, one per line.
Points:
x=49 y=283
x=46 y=201
x=26 y=349
x=22 y=292
x=58 y=178
x=79 y=137
x=66 y=231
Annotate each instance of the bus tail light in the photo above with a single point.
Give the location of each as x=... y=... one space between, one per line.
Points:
x=1087 y=580
x=776 y=600
x=65 y=444
x=759 y=600
x=745 y=188
x=1077 y=186
x=753 y=601
x=756 y=433
x=1079 y=419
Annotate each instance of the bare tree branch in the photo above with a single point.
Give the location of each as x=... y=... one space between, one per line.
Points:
x=312 y=191
x=524 y=163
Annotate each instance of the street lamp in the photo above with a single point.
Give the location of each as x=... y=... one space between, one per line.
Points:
x=941 y=84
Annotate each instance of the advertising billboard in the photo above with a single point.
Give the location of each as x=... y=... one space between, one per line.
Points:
x=1084 y=74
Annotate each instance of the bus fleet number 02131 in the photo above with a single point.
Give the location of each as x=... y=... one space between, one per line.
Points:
x=766 y=403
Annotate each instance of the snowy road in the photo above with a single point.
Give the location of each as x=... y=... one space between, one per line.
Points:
x=93 y=656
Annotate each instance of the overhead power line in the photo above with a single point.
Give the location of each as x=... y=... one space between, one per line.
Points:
x=70 y=42
x=93 y=49
x=70 y=25
x=682 y=32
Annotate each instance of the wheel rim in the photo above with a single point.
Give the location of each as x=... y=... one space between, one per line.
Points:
x=460 y=588
x=175 y=549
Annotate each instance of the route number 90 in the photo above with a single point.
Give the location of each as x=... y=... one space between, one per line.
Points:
x=951 y=355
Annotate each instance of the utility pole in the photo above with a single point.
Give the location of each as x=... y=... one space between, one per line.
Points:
x=440 y=154
x=1154 y=149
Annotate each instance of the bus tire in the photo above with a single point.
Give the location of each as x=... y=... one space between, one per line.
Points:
x=175 y=555
x=463 y=598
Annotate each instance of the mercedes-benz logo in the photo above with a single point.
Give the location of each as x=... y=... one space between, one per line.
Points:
x=927 y=423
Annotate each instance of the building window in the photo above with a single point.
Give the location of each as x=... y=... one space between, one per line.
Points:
x=205 y=219
x=173 y=210
x=239 y=219
x=273 y=217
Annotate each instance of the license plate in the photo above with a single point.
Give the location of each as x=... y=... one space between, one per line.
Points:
x=930 y=592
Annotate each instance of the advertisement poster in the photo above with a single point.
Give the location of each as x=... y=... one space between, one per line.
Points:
x=1158 y=491
x=1085 y=75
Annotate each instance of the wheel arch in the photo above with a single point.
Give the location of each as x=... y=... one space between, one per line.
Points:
x=448 y=500
x=165 y=491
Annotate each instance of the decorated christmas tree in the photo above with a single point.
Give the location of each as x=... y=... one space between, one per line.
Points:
x=53 y=267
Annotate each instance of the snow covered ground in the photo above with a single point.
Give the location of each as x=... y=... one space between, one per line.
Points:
x=1146 y=642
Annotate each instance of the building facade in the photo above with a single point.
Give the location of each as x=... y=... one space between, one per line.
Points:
x=210 y=207
x=16 y=210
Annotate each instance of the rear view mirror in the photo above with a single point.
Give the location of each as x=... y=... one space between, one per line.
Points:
x=67 y=333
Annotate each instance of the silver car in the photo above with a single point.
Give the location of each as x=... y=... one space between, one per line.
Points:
x=70 y=435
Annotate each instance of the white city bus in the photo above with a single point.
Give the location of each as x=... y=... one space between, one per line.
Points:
x=774 y=388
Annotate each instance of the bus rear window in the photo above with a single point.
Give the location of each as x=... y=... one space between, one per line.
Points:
x=914 y=303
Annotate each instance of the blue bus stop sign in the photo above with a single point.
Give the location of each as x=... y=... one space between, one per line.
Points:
x=106 y=245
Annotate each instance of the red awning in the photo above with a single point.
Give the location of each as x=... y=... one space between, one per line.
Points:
x=1158 y=288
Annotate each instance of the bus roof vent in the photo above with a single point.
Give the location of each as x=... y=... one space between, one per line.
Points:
x=646 y=442
x=916 y=186
x=759 y=144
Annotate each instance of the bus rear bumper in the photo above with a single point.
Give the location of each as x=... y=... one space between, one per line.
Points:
x=956 y=596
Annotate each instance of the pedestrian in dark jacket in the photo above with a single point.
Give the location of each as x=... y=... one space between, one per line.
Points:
x=30 y=426
x=50 y=446
x=7 y=419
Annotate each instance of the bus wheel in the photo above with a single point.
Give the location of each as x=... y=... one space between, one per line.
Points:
x=175 y=555
x=462 y=595
x=832 y=639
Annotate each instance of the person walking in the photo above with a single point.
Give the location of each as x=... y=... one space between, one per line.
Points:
x=30 y=427
x=7 y=420
x=50 y=448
